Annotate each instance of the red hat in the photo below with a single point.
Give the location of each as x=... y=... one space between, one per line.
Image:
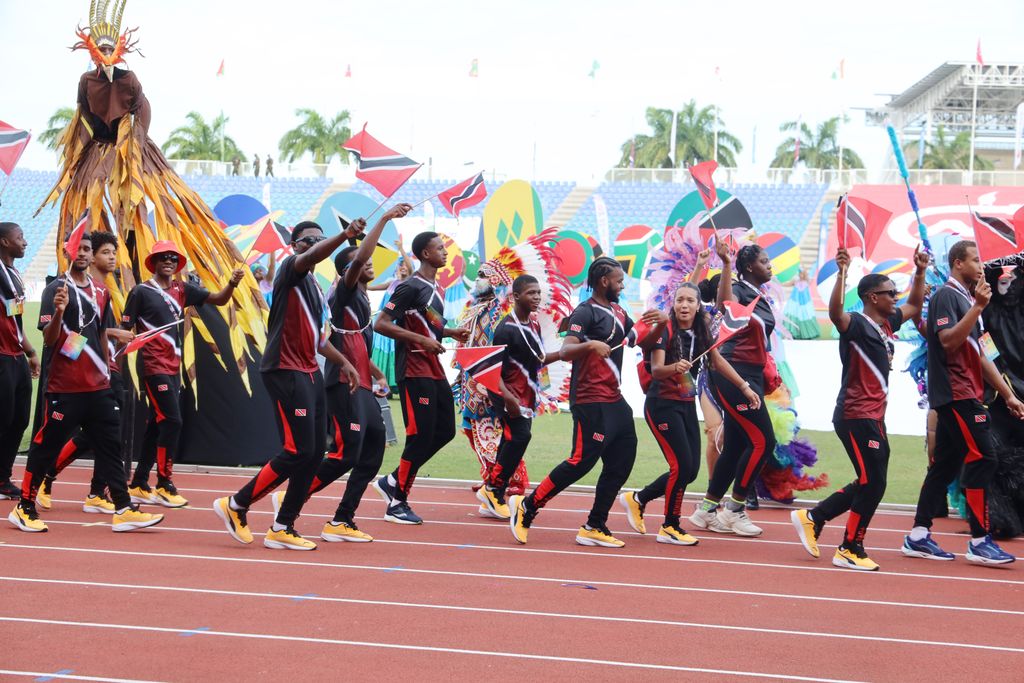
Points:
x=165 y=247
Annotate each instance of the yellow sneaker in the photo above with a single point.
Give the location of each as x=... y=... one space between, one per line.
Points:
x=634 y=511
x=141 y=494
x=234 y=520
x=96 y=504
x=44 y=496
x=132 y=519
x=286 y=539
x=491 y=505
x=343 y=531
x=520 y=518
x=675 y=536
x=169 y=497
x=599 y=537
x=26 y=519
x=854 y=558
x=807 y=530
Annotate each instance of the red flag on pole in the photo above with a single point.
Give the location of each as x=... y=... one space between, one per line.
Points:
x=380 y=166
x=701 y=174
x=75 y=238
x=13 y=142
x=977 y=55
x=860 y=223
x=144 y=338
x=639 y=332
x=469 y=192
x=998 y=237
x=220 y=71
x=735 y=318
x=482 y=364
x=269 y=240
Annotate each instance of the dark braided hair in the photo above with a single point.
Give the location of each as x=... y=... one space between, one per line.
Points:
x=747 y=256
x=601 y=266
x=701 y=328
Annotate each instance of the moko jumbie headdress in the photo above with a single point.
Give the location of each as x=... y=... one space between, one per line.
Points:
x=105 y=32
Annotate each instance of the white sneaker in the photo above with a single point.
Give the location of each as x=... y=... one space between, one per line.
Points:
x=738 y=522
x=708 y=519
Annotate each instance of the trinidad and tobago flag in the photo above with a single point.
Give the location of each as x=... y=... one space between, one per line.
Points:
x=380 y=166
x=482 y=364
x=13 y=142
x=701 y=174
x=468 y=193
x=735 y=318
x=998 y=237
x=860 y=223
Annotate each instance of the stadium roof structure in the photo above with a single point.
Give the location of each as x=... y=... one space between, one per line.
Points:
x=944 y=98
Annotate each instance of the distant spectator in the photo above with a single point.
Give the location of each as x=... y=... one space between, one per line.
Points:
x=236 y=166
x=256 y=165
x=270 y=167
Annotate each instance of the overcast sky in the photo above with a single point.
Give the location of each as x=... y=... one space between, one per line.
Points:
x=410 y=63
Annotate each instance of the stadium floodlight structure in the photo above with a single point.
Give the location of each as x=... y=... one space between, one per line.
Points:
x=946 y=97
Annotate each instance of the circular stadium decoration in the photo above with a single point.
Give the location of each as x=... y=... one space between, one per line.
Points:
x=784 y=255
x=472 y=267
x=455 y=268
x=340 y=209
x=239 y=209
x=633 y=247
x=826 y=280
x=512 y=214
x=729 y=214
x=575 y=254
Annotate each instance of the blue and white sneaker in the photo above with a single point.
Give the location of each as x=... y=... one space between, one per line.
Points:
x=386 y=490
x=926 y=548
x=401 y=513
x=987 y=552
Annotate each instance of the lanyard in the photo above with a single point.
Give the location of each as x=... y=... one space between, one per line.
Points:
x=962 y=291
x=91 y=298
x=176 y=310
x=890 y=348
x=615 y=321
x=361 y=329
x=539 y=355
x=10 y=282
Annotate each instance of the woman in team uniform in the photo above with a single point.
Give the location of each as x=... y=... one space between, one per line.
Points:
x=671 y=411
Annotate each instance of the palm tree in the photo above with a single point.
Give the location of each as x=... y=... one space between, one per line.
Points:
x=55 y=127
x=201 y=140
x=695 y=135
x=315 y=134
x=818 y=149
x=947 y=153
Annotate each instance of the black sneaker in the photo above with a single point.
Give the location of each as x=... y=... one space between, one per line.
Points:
x=385 y=490
x=401 y=513
x=8 y=491
x=752 y=502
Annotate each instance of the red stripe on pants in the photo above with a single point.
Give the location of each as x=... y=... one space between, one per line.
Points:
x=978 y=504
x=67 y=455
x=155 y=405
x=410 y=426
x=752 y=432
x=289 y=441
x=863 y=477
x=339 y=443
x=853 y=528
x=670 y=457
x=972 y=448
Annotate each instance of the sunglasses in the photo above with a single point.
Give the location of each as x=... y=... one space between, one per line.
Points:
x=169 y=258
x=889 y=292
x=310 y=240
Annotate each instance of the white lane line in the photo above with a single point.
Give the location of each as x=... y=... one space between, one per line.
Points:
x=522 y=613
x=516 y=548
x=425 y=648
x=510 y=577
x=495 y=524
x=68 y=677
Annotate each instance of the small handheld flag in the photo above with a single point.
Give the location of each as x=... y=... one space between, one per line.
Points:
x=701 y=174
x=860 y=223
x=269 y=240
x=997 y=237
x=142 y=339
x=13 y=142
x=75 y=238
x=378 y=165
x=482 y=364
x=469 y=192
x=639 y=332
x=735 y=318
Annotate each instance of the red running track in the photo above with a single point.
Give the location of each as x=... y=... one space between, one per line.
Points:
x=458 y=599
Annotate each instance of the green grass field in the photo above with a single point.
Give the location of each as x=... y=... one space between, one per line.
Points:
x=551 y=443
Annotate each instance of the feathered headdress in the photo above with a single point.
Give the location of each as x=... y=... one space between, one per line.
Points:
x=670 y=266
x=105 y=32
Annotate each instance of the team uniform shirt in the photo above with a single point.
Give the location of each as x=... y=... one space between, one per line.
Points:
x=595 y=379
x=297 y=315
x=677 y=387
x=350 y=313
x=750 y=346
x=86 y=314
x=149 y=306
x=953 y=375
x=522 y=359
x=12 y=293
x=865 y=349
x=418 y=306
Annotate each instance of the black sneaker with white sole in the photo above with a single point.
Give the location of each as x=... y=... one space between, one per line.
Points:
x=401 y=513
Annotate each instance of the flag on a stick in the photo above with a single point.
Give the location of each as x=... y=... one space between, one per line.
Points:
x=378 y=165
x=143 y=338
x=735 y=318
x=74 y=240
x=639 y=332
x=860 y=223
x=269 y=240
x=977 y=55
x=13 y=142
x=701 y=174
x=998 y=237
x=469 y=192
x=482 y=364
x=220 y=70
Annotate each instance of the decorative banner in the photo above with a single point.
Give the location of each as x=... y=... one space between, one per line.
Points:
x=512 y=214
x=455 y=268
x=575 y=254
x=472 y=267
x=239 y=209
x=633 y=247
x=784 y=254
x=340 y=209
x=730 y=214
